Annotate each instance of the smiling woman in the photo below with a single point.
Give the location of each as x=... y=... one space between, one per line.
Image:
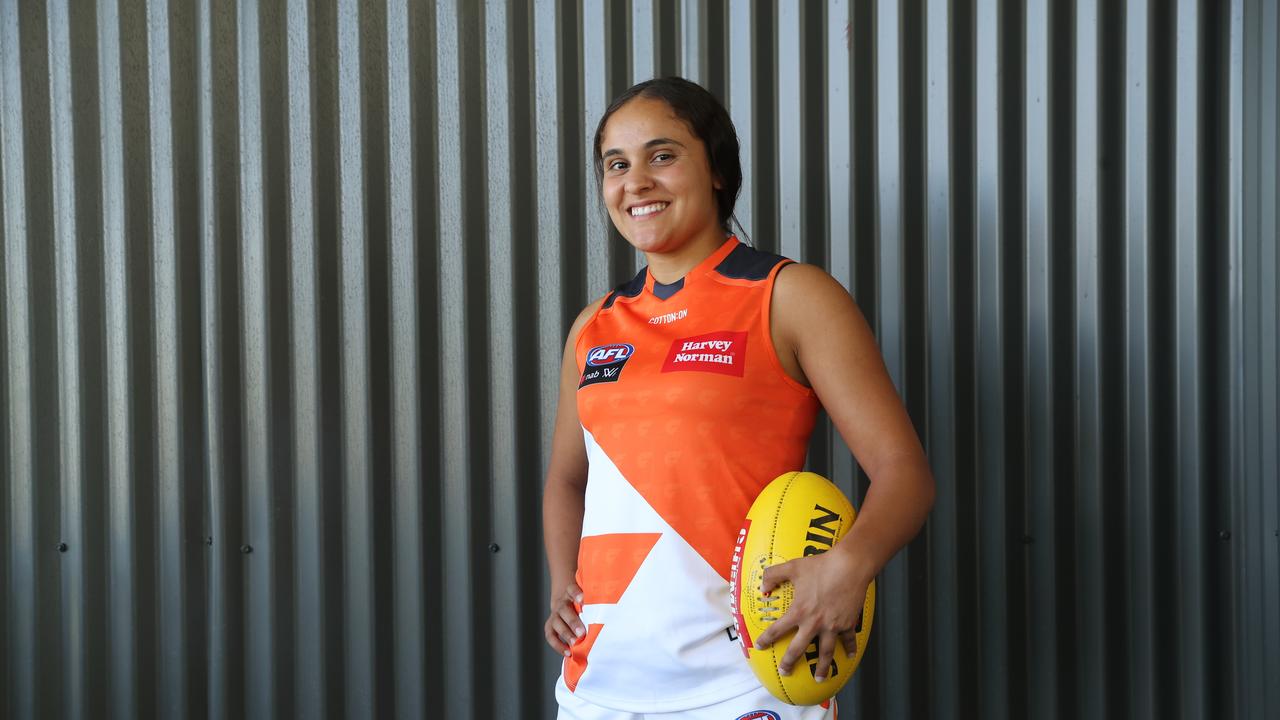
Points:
x=683 y=393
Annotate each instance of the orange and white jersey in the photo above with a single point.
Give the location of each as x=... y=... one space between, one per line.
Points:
x=687 y=414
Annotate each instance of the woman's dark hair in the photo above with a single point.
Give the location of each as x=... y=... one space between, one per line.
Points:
x=708 y=120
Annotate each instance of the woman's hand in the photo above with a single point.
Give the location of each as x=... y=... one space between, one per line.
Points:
x=828 y=600
x=564 y=627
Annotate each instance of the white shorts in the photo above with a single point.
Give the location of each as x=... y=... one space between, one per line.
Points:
x=757 y=704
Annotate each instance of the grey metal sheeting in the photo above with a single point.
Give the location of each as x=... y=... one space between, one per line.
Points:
x=286 y=286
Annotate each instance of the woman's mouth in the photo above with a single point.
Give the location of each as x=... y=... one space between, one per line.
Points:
x=640 y=212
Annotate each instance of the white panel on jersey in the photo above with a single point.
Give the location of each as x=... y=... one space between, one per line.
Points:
x=664 y=644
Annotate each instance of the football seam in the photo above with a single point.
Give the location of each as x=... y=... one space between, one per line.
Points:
x=772 y=537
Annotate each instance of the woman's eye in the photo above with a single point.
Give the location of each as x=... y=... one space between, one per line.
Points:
x=617 y=165
x=663 y=157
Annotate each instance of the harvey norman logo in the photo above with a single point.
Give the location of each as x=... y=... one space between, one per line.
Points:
x=723 y=352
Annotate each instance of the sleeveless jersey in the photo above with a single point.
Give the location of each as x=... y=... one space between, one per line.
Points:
x=687 y=414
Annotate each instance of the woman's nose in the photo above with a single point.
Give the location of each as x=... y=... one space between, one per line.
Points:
x=639 y=180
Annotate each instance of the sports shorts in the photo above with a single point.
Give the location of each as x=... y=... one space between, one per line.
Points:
x=757 y=704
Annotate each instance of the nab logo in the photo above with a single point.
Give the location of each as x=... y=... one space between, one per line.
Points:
x=604 y=363
x=609 y=354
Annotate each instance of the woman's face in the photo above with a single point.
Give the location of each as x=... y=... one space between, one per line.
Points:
x=658 y=184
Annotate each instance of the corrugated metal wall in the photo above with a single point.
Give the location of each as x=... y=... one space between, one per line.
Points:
x=285 y=288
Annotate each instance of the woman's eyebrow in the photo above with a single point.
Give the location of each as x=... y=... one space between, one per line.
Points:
x=651 y=143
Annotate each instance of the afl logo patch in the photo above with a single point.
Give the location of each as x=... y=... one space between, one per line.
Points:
x=604 y=363
x=760 y=715
x=608 y=354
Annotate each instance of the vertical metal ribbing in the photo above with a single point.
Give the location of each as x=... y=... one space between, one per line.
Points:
x=357 y=561
x=994 y=691
x=21 y=487
x=644 y=45
x=171 y=583
x=408 y=601
x=940 y=259
x=459 y=614
x=889 y=189
x=120 y=494
x=1191 y=535
x=893 y=621
x=741 y=103
x=551 y=340
x=595 y=32
x=839 y=166
x=839 y=170
x=1269 y=329
x=260 y=670
x=502 y=392
x=1055 y=661
x=215 y=564
x=1246 y=341
x=693 y=49
x=1092 y=663
x=309 y=625
x=70 y=465
x=1239 y=371
x=789 y=154
x=643 y=40
x=1254 y=31
x=1042 y=606
x=1140 y=552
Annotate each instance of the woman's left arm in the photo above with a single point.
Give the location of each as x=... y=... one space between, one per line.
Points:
x=822 y=339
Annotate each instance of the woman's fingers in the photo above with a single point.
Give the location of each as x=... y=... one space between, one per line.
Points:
x=795 y=649
x=569 y=616
x=826 y=652
x=775 y=575
x=554 y=631
x=780 y=627
x=564 y=626
x=573 y=593
x=849 y=639
x=573 y=625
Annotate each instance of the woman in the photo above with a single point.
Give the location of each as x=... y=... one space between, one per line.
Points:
x=684 y=392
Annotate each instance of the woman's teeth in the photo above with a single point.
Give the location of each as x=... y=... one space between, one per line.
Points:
x=648 y=209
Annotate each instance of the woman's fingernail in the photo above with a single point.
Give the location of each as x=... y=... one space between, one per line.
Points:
x=819 y=678
x=580 y=631
x=566 y=653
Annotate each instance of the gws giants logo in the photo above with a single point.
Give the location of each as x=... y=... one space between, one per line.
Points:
x=760 y=715
x=723 y=352
x=604 y=363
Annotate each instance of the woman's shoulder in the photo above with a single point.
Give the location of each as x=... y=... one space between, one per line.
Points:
x=799 y=282
x=585 y=317
x=806 y=296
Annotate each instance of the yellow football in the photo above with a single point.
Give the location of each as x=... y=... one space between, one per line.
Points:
x=797 y=515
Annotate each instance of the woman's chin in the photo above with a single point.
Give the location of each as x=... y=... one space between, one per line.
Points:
x=648 y=242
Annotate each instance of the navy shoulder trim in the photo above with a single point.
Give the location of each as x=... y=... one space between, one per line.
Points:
x=747 y=263
x=630 y=288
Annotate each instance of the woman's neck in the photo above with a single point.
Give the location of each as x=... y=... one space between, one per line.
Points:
x=668 y=267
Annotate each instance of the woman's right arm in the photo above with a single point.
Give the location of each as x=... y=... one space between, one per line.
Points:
x=562 y=501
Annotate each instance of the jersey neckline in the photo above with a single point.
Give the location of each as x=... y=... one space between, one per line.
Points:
x=702 y=268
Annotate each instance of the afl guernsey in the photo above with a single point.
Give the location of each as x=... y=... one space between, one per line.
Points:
x=686 y=414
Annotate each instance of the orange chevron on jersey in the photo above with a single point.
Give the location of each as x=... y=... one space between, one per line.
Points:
x=685 y=419
x=612 y=561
